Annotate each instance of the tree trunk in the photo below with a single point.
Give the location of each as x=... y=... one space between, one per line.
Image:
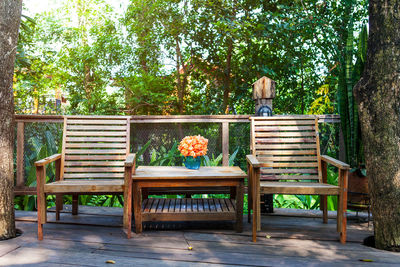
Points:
x=378 y=96
x=10 y=17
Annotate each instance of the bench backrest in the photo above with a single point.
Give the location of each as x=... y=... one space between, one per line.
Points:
x=94 y=147
x=289 y=145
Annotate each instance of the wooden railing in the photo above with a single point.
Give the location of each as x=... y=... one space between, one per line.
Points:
x=225 y=120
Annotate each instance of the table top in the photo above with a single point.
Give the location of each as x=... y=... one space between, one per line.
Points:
x=180 y=172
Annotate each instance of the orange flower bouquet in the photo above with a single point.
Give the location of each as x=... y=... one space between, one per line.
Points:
x=192 y=148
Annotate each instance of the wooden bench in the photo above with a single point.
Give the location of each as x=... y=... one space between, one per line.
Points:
x=94 y=160
x=286 y=159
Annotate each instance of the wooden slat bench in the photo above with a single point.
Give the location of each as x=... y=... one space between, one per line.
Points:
x=95 y=159
x=286 y=159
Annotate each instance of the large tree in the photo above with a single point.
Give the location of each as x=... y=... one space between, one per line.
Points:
x=10 y=17
x=378 y=96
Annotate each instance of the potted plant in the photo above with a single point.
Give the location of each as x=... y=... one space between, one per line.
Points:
x=192 y=149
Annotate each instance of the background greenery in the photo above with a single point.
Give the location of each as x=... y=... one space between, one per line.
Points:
x=190 y=57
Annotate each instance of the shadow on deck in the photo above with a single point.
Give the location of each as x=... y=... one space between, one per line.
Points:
x=94 y=236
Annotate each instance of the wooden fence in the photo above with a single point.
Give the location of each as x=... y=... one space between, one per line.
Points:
x=224 y=120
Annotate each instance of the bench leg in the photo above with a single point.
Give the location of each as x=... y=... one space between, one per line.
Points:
x=75 y=203
x=249 y=193
x=258 y=196
x=342 y=206
x=239 y=207
x=41 y=199
x=42 y=216
x=324 y=208
x=137 y=203
x=59 y=205
x=323 y=198
x=255 y=200
x=232 y=192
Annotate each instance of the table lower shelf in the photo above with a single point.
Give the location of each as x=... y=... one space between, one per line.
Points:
x=188 y=209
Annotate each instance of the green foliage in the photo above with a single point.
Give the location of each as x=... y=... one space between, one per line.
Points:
x=347 y=107
x=192 y=57
x=38 y=146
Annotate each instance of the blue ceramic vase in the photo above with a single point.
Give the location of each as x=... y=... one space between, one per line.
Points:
x=192 y=163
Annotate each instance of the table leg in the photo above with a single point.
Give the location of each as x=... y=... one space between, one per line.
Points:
x=239 y=206
x=232 y=192
x=137 y=204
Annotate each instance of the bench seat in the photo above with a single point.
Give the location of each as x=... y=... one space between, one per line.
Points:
x=298 y=188
x=84 y=186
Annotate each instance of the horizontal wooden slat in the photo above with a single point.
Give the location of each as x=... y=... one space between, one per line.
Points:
x=286 y=152
x=96 y=127
x=94 y=163
x=77 y=186
x=95 y=133
x=94 y=169
x=100 y=122
x=286 y=117
x=298 y=188
x=285 y=146
x=289 y=177
x=286 y=123
x=95 y=151
x=282 y=128
x=95 y=145
x=284 y=140
x=266 y=158
x=309 y=171
x=95 y=157
x=92 y=175
x=284 y=134
x=96 y=139
x=290 y=164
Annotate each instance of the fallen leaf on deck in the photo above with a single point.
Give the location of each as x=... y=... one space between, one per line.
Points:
x=366 y=260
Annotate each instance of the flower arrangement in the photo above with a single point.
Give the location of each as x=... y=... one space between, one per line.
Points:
x=194 y=146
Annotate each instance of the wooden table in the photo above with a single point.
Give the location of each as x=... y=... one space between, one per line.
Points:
x=186 y=209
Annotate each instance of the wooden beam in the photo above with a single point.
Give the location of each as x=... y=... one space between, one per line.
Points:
x=326 y=118
x=225 y=143
x=20 y=154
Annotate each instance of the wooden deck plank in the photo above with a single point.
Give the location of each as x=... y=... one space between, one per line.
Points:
x=301 y=241
x=207 y=252
x=78 y=245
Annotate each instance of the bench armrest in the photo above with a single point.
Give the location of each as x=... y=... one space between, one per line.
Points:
x=45 y=161
x=337 y=163
x=253 y=161
x=130 y=160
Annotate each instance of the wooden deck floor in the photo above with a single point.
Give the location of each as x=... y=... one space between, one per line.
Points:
x=93 y=237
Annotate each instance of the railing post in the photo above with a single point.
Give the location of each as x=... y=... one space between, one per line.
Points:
x=20 y=154
x=225 y=144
